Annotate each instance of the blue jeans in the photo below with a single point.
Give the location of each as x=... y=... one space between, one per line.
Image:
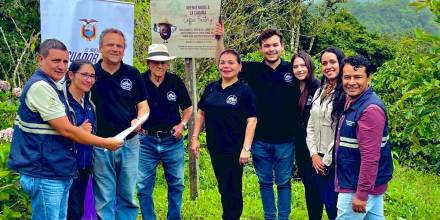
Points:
x=374 y=209
x=170 y=151
x=48 y=197
x=114 y=181
x=270 y=159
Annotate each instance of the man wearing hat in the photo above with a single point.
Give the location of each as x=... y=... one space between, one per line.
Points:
x=161 y=136
x=121 y=99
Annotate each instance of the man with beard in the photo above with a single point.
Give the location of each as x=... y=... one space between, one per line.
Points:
x=277 y=93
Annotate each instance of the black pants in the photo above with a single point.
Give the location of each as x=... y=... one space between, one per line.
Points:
x=77 y=194
x=228 y=173
x=308 y=177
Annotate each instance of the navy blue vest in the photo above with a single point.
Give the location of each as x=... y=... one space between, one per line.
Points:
x=348 y=155
x=37 y=149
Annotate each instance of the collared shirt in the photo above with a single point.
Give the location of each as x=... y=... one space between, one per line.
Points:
x=369 y=134
x=164 y=101
x=277 y=93
x=226 y=113
x=116 y=97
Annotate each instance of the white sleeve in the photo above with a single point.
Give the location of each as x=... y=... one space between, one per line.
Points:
x=310 y=138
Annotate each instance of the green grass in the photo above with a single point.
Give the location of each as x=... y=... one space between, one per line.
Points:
x=411 y=195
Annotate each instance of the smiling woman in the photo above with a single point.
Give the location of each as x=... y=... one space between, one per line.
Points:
x=228 y=111
x=80 y=79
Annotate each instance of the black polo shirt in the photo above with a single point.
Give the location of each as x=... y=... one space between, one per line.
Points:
x=226 y=113
x=116 y=97
x=277 y=92
x=164 y=101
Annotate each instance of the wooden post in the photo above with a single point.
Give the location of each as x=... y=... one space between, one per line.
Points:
x=191 y=85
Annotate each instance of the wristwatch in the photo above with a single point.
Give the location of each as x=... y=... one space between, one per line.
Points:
x=184 y=125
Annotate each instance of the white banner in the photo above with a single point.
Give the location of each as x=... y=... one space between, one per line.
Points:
x=185 y=26
x=78 y=24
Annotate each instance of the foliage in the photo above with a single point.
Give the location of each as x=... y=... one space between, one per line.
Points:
x=19 y=37
x=14 y=203
x=392 y=16
x=410 y=85
x=8 y=108
x=343 y=30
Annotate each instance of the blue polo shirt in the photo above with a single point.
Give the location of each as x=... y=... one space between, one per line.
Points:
x=226 y=113
x=277 y=92
x=115 y=97
x=165 y=101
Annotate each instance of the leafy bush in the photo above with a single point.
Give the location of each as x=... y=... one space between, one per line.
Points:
x=410 y=85
x=14 y=203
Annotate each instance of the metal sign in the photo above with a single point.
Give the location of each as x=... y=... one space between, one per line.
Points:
x=185 y=26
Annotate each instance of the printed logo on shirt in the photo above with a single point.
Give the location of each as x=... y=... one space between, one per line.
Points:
x=288 y=78
x=126 y=84
x=309 y=100
x=232 y=100
x=171 y=96
x=349 y=123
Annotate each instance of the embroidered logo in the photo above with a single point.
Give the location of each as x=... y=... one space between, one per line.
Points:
x=171 y=96
x=288 y=78
x=349 y=123
x=232 y=100
x=126 y=84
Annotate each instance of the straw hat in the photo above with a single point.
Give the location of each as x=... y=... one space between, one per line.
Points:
x=159 y=52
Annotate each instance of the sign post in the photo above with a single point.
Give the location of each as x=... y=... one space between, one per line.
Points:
x=191 y=84
x=185 y=27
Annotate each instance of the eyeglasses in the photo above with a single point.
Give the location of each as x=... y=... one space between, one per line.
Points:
x=86 y=76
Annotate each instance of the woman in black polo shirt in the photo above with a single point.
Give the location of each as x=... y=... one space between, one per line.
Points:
x=228 y=110
x=303 y=68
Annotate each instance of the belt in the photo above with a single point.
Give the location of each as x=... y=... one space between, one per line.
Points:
x=158 y=134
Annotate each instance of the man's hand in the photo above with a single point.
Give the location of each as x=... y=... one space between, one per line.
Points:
x=113 y=143
x=133 y=122
x=178 y=131
x=86 y=126
x=219 y=29
x=359 y=205
x=195 y=144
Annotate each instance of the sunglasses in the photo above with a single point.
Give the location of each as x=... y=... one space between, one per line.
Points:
x=158 y=62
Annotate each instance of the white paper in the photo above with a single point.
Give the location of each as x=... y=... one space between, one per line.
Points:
x=121 y=136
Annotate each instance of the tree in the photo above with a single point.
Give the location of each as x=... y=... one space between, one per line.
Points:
x=410 y=85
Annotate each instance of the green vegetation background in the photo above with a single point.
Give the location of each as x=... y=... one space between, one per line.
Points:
x=407 y=78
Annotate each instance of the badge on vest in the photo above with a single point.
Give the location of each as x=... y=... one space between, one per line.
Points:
x=232 y=100
x=349 y=123
x=171 y=96
x=288 y=78
x=126 y=84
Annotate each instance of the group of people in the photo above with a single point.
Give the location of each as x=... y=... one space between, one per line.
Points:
x=275 y=111
x=336 y=128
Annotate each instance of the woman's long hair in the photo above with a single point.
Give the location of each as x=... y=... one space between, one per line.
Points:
x=339 y=94
x=309 y=78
